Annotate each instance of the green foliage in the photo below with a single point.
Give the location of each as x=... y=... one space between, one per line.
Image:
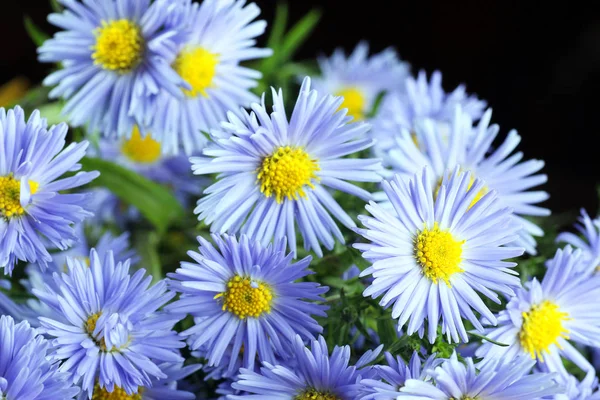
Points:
x=35 y=33
x=146 y=246
x=53 y=113
x=156 y=202
x=279 y=70
x=440 y=347
x=487 y=339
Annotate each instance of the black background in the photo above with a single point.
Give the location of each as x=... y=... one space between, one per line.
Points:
x=537 y=65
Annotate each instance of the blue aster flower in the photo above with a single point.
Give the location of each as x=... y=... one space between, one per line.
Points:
x=274 y=173
x=107 y=330
x=360 y=78
x=167 y=388
x=393 y=376
x=224 y=390
x=37 y=279
x=589 y=243
x=34 y=210
x=421 y=99
x=471 y=147
x=25 y=372
x=431 y=257
x=116 y=58
x=586 y=389
x=315 y=375
x=222 y=34
x=544 y=318
x=244 y=294
x=500 y=380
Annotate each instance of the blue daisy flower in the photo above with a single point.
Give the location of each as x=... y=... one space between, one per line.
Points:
x=36 y=279
x=222 y=34
x=107 y=330
x=589 y=243
x=394 y=375
x=116 y=59
x=244 y=294
x=315 y=375
x=471 y=147
x=25 y=372
x=274 y=173
x=544 y=318
x=586 y=389
x=224 y=390
x=33 y=211
x=421 y=99
x=167 y=388
x=501 y=380
x=431 y=257
x=360 y=78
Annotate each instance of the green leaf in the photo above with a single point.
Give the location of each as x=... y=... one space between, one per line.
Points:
x=156 y=202
x=275 y=69
x=279 y=26
x=386 y=329
x=35 y=33
x=487 y=339
x=56 y=6
x=53 y=113
x=376 y=105
x=298 y=35
x=146 y=245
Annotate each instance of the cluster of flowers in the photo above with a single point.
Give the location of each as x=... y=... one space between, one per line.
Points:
x=160 y=88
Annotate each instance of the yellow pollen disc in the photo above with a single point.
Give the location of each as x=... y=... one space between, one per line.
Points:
x=197 y=67
x=10 y=196
x=246 y=298
x=542 y=326
x=286 y=172
x=477 y=197
x=116 y=394
x=141 y=150
x=354 y=101
x=313 y=394
x=438 y=254
x=119 y=45
x=90 y=326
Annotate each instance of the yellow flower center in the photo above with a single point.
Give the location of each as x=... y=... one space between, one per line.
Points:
x=542 y=326
x=90 y=326
x=313 y=394
x=285 y=172
x=482 y=192
x=438 y=254
x=246 y=298
x=354 y=101
x=141 y=150
x=197 y=67
x=119 y=45
x=116 y=394
x=10 y=196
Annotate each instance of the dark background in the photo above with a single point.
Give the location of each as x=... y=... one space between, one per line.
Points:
x=537 y=65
